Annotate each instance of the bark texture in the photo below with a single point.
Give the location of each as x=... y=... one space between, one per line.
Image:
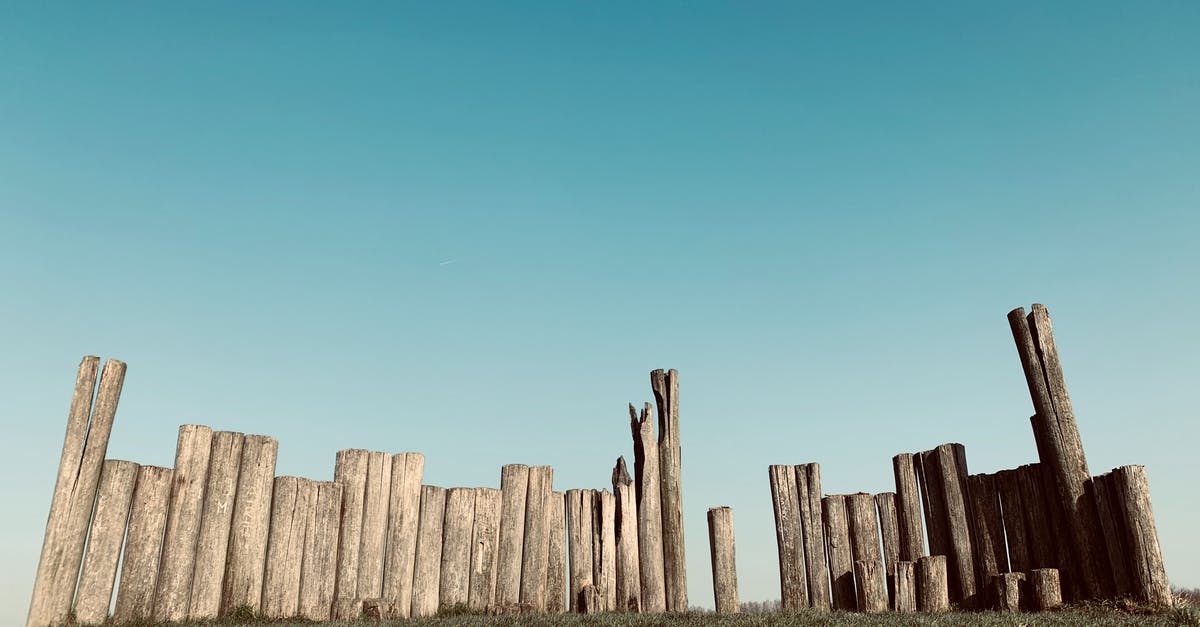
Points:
x=871 y=593
x=1045 y=589
x=932 y=592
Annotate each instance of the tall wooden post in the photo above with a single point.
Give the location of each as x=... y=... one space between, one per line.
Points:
x=1150 y=582
x=485 y=538
x=629 y=585
x=1111 y=524
x=649 y=509
x=991 y=558
x=793 y=587
x=889 y=528
x=1008 y=484
x=183 y=523
x=841 y=561
x=251 y=521
x=724 y=562
x=428 y=561
x=104 y=543
x=291 y=511
x=604 y=541
x=404 y=506
x=457 y=525
x=864 y=547
x=212 y=544
x=143 y=544
x=318 y=570
x=945 y=470
x=350 y=470
x=514 y=484
x=666 y=393
x=579 y=544
x=535 y=552
x=816 y=566
x=373 y=537
x=556 y=564
x=908 y=503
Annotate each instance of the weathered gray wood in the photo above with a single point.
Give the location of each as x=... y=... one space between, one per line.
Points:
x=841 y=561
x=104 y=541
x=991 y=558
x=889 y=528
x=556 y=564
x=816 y=566
x=1045 y=589
x=906 y=587
x=871 y=593
x=212 y=543
x=666 y=394
x=350 y=470
x=604 y=540
x=428 y=561
x=292 y=506
x=591 y=601
x=485 y=539
x=628 y=592
x=535 y=554
x=724 y=561
x=318 y=571
x=908 y=504
x=514 y=485
x=192 y=450
x=1149 y=577
x=457 y=525
x=404 y=508
x=373 y=537
x=948 y=461
x=1008 y=484
x=579 y=545
x=251 y=521
x=789 y=538
x=1008 y=590
x=143 y=544
x=1112 y=526
x=863 y=522
x=932 y=498
x=932 y=591
x=649 y=508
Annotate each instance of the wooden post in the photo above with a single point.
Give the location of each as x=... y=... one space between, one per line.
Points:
x=1038 y=525
x=485 y=539
x=1141 y=536
x=457 y=526
x=933 y=499
x=793 y=586
x=628 y=593
x=932 y=592
x=724 y=562
x=1111 y=524
x=404 y=506
x=556 y=564
x=908 y=502
x=1059 y=531
x=991 y=559
x=514 y=484
x=1045 y=588
x=649 y=509
x=1008 y=588
x=350 y=470
x=84 y=447
x=292 y=507
x=816 y=566
x=889 y=528
x=428 y=561
x=373 y=538
x=318 y=571
x=251 y=521
x=579 y=544
x=104 y=543
x=192 y=449
x=948 y=463
x=864 y=546
x=666 y=394
x=906 y=587
x=871 y=593
x=841 y=561
x=1008 y=484
x=535 y=552
x=212 y=544
x=605 y=513
x=590 y=600
x=143 y=544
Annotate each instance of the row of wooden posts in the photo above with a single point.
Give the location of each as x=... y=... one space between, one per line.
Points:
x=1026 y=537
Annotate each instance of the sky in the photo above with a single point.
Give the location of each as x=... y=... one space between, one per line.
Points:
x=473 y=229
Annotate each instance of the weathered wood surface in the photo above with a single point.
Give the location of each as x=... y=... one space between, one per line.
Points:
x=292 y=506
x=908 y=504
x=404 y=507
x=212 y=543
x=251 y=521
x=535 y=552
x=373 y=537
x=948 y=462
x=789 y=538
x=556 y=563
x=649 y=509
x=871 y=593
x=889 y=529
x=1008 y=590
x=590 y=600
x=724 y=559
x=1108 y=508
x=457 y=525
x=1060 y=535
x=933 y=500
x=350 y=470
x=628 y=592
x=932 y=590
x=485 y=539
x=991 y=558
x=143 y=544
x=514 y=486
x=1038 y=525
x=863 y=521
x=84 y=447
x=428 y=560
x=318 y=572
x=666 y=394
x=1008 y=485
x=98 y=578
x=841 y=561
x=177 y=565
x=906 y=587
x=1045 y=589
x=1149 y=577
x=604 y=539
x=579 y=545
x=816 y=564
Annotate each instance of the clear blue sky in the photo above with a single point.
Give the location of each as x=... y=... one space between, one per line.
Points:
x=471 y=230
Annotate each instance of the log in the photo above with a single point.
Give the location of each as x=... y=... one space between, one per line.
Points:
x=908 y=504
x=579 y=545
x=906 y=587
x=104 y=542
x=84 y=448
x=514 y=484
x=816 y=566
x=292 y=505
x=604 y=538
x=143 y=544
x=318 y=571
x=404 y=506
x=666 y=395
x=485 y=539
x=628 y=592
x=1104 y=494
x=556 y=565
x=428 y=560
x=1008 y=485
x=841 y=562
x=991 y=558
x=1045 y=588
x=932 y=498
x=932 y=591
x=949 y=462
x=535 y=552
x=789 y=538
x=1041 y=549
x=212 y=543
x=350 y=470
x=863 y=522
x=173 y=595
x=591 y=601
x=248 y=531
x=1149 y=577
x=649 y=509
x=455 y=574
x=724 y=562
x=871 y=592
x=373 y=538
x=1008 y=590
x=889 y=528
